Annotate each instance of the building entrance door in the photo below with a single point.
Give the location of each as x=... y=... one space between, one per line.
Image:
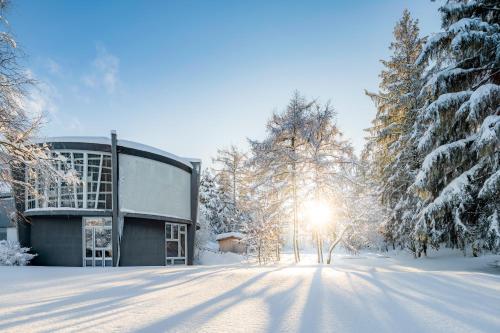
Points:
x=97 y=250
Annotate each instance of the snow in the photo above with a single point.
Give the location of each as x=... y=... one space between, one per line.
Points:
x=483 y=97
x=234 y=234
x=87 y=139
x=123 y=143
x=443 y=293
x=443 y=154
x=466 y=24
x=215 y=258
x=140 y=146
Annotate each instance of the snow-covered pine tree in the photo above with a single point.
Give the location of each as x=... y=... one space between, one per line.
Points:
x=392 y=150
x=215 y=205
x=230 y=171
x=281 y=155
x=459 y=129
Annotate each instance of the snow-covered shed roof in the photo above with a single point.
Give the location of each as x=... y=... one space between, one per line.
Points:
x=122 y=143
x=226 y=235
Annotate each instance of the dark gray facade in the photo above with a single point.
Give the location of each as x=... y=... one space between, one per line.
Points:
x=57 y=235
x=143 y=243
x=57 y=240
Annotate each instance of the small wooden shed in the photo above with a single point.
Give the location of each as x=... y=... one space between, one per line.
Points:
x=232 y=242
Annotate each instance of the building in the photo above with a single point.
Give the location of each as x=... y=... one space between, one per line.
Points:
x=153 y=222
x=8 y=229
x=231 y=242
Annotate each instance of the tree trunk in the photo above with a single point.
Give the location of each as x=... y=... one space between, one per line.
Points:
x=316 y=238
x=334 y=244
x=321 y=249
x=259 y=251
x=295 y=221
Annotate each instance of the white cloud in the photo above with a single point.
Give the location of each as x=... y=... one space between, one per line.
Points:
x=43 y=101
x=54 y=67
x=104 y=71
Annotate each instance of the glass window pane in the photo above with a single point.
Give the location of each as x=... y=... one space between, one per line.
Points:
x=108 y=254
x=108 y=263
x=88 y=253
x=182 y=228
x=175 y=233
x=102 y=237
x=179 y=261
x=183 y=242
x=168 y=231
x=88 y=263
x=98 y=253
x=172 y=249
x=98 y=263
x=88 y=238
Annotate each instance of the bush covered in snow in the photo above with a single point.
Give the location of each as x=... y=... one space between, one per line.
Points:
x=12 y=254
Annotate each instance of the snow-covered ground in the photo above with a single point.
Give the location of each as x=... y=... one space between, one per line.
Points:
x=369 y=293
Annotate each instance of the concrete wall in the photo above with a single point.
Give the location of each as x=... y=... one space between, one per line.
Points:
x=152 y=187
x=143 y=243
x=57 y=240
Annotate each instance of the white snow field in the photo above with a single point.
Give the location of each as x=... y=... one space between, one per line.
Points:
x=448 y=293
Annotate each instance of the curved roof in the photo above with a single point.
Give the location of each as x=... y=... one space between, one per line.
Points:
x=122 y=143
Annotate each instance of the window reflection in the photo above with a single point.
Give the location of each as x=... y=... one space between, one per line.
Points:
x=175 y=243
x=93 y=191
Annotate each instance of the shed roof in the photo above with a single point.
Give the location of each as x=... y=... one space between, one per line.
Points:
x=232 y=234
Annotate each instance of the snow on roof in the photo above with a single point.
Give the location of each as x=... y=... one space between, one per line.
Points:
x=143 y=147
x=87 y=139
x=225 y=235
x=123 y=143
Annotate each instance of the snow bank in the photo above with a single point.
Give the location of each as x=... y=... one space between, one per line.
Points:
x=217 y=258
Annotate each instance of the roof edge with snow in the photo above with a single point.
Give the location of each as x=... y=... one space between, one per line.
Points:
x=122 y=143
x=226 y=235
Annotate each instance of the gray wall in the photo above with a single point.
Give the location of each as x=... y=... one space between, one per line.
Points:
x=143 y=243
x=151 y=187
x=57 y=240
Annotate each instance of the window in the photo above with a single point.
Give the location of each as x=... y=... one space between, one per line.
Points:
x=97 y=247
x=94 y=191
x=175 y=243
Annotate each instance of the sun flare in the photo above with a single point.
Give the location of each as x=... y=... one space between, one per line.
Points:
x=317 y=213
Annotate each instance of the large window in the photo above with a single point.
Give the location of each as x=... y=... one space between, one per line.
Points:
x=97 y=251
x=175 y=243
x=93 y=191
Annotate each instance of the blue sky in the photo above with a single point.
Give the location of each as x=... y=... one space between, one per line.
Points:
x=193 y=76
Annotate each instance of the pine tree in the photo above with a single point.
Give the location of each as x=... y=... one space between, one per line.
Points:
x=215 y=205
x=458 y=131
x=230 y=172
x=392 y=149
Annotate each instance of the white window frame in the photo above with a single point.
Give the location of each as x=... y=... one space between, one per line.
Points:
x=84 y=241
x=172 y=259
x=84 y=185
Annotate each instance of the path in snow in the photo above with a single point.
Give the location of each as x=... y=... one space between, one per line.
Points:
x=364 y=295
